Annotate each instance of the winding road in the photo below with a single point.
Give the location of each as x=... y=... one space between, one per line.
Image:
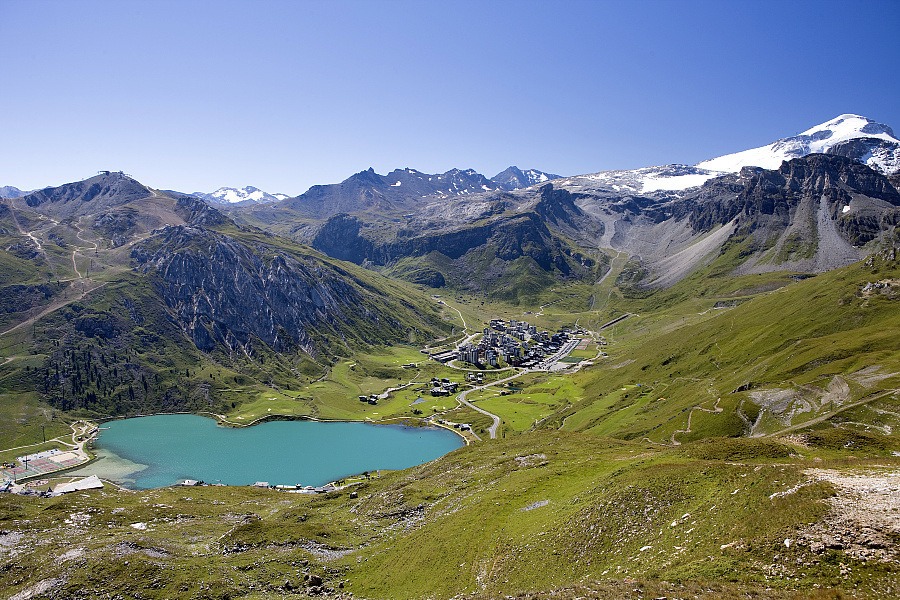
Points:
x=545 y=366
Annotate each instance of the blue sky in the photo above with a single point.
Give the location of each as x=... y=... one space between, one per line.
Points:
x=283 y=95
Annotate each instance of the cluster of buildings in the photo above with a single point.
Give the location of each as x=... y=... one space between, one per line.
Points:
x=443 y=387
x=517 y=343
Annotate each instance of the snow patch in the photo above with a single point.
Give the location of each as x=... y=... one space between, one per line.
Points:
x=680 y=182
x=818 y=139
x=651 y=179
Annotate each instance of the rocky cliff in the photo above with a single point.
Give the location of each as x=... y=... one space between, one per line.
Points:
x=764 y=195
x=224 y=291
x=369 y=192
x=811 y=215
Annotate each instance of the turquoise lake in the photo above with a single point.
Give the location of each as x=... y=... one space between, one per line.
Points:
x=148 y=452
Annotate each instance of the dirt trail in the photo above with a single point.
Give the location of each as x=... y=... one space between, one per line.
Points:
x=715 y=409
x=77 y=249
x=60 y=302
x=12 y=214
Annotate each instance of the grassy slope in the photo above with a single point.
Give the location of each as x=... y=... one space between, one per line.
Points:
x=524 y=514
x=797 y=338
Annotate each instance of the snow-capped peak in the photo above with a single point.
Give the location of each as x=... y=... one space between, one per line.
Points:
x=514 y=178
x=882 y=152
x=244 y=195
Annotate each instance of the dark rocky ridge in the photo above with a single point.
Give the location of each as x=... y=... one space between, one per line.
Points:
x=834 y=179
x=812 y=214
x=90 y=196
x=224 y=291
x=513 y=236
x=367 y=191
x=514 y=178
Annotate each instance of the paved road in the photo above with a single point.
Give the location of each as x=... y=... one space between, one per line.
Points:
x=492 y=430
x=545 y=365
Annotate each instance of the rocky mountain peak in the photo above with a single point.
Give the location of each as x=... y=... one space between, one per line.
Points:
x=514 y=178
x=8 y=191
x=101 y=192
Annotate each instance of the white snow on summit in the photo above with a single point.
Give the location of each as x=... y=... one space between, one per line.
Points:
x=817 y=139
x=247 y=195
x=878 y=148
x=655 y=182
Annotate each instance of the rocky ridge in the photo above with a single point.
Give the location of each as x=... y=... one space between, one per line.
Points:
x=95 y=194
x=227 y=292
x=809 y=213
x=484 y=242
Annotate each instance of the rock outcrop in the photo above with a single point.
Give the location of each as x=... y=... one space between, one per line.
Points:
x=225 y=291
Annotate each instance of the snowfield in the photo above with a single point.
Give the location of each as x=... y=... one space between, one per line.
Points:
x=818 y=139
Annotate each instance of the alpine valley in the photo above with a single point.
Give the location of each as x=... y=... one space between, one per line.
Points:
x=675 y=381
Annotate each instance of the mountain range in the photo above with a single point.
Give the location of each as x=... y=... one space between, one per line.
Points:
x=808 y=203
x=824 y=205
x=725 y=425
x=454 y=182
x=455 y=229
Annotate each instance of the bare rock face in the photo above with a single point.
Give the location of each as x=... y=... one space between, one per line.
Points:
x=811 y=215
x=776 y=195
x=882 y=155
x=224 y=291
x=90 y=196
x=339 y=238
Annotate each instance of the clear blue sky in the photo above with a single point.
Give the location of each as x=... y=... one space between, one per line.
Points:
x=192 y=95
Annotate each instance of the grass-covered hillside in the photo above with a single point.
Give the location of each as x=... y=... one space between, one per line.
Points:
x=752 y=361
x=550 y=514
x=726 y=436
x=100 y=315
